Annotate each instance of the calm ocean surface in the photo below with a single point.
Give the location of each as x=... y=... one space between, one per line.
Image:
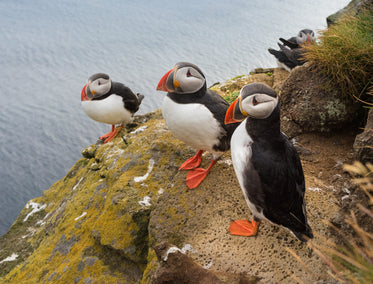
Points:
x=50 y=48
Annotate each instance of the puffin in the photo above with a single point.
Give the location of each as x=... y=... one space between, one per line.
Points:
x=109 y=102
x=195 y=115
x=291 y=52
x=266 y=164
x=305 y=36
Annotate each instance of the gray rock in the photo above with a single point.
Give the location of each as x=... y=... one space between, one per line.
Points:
x=308 y=106
x=352 y=9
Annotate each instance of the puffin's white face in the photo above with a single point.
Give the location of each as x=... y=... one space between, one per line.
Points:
x=99 y=86
x=257 y=105
x=188 y=79
x=184 y=78
x=256 y=100
x=305 y=37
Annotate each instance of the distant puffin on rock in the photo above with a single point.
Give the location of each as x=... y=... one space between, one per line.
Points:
x=305 y=36
x=109 y=102
x=291 y=51
x=266 y=164
x=195 y=115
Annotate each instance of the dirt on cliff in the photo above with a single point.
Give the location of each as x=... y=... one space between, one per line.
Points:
x=219 y=199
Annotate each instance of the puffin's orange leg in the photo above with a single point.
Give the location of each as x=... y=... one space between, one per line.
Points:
x=193 y=162
x=111 y=135
x=244 y=228
x=196 y=176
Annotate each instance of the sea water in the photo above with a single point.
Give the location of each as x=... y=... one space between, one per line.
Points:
x=50 y=48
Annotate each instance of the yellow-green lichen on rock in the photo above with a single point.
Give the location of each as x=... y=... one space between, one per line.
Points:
x=94 y=222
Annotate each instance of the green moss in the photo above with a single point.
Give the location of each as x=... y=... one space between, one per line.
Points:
x=238 y=76
x=231 y=97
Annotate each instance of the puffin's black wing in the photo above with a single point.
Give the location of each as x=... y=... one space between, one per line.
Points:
x=291 y=42
x=216 y=104
x=282 y=57
x=218 y=107
x=282 y=186
x=131 y=100
x=293 y=55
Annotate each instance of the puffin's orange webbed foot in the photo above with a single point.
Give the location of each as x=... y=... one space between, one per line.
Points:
x=244 y=228
x=111 y=135
x=196 y=176
x=193 y=162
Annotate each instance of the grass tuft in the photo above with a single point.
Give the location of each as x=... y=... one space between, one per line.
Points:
x=344 y=55
x=352 y=262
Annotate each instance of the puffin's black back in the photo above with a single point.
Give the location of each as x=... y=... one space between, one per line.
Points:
x=217 y=106
x=277 y=184
x=290 y=57
x=130 y=100
x=291 y=42
x=281 y=56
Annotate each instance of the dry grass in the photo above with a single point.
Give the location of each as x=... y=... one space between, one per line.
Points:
x=344 y=55
x=351 y=262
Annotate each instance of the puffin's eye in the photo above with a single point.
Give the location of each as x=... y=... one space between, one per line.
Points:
x=189 y=74
x=255 y=102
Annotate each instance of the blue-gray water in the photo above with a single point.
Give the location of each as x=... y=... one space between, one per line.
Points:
x=49 y=49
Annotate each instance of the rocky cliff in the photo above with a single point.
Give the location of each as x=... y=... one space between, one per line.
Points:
x=123 y=214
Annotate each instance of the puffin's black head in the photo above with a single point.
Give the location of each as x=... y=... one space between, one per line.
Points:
x=305 y=36
x=256 y=100
x=184 y=78
x=99 y=84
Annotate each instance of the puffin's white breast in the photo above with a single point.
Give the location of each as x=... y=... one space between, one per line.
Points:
x=193 y=124
x=110 y=110
x=241 y=153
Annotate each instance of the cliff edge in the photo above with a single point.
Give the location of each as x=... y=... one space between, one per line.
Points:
x=123 y=214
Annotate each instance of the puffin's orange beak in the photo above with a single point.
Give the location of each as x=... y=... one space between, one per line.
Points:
x=84 y=93
x=162 y=83
x=308 y=39
x=229 y=116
